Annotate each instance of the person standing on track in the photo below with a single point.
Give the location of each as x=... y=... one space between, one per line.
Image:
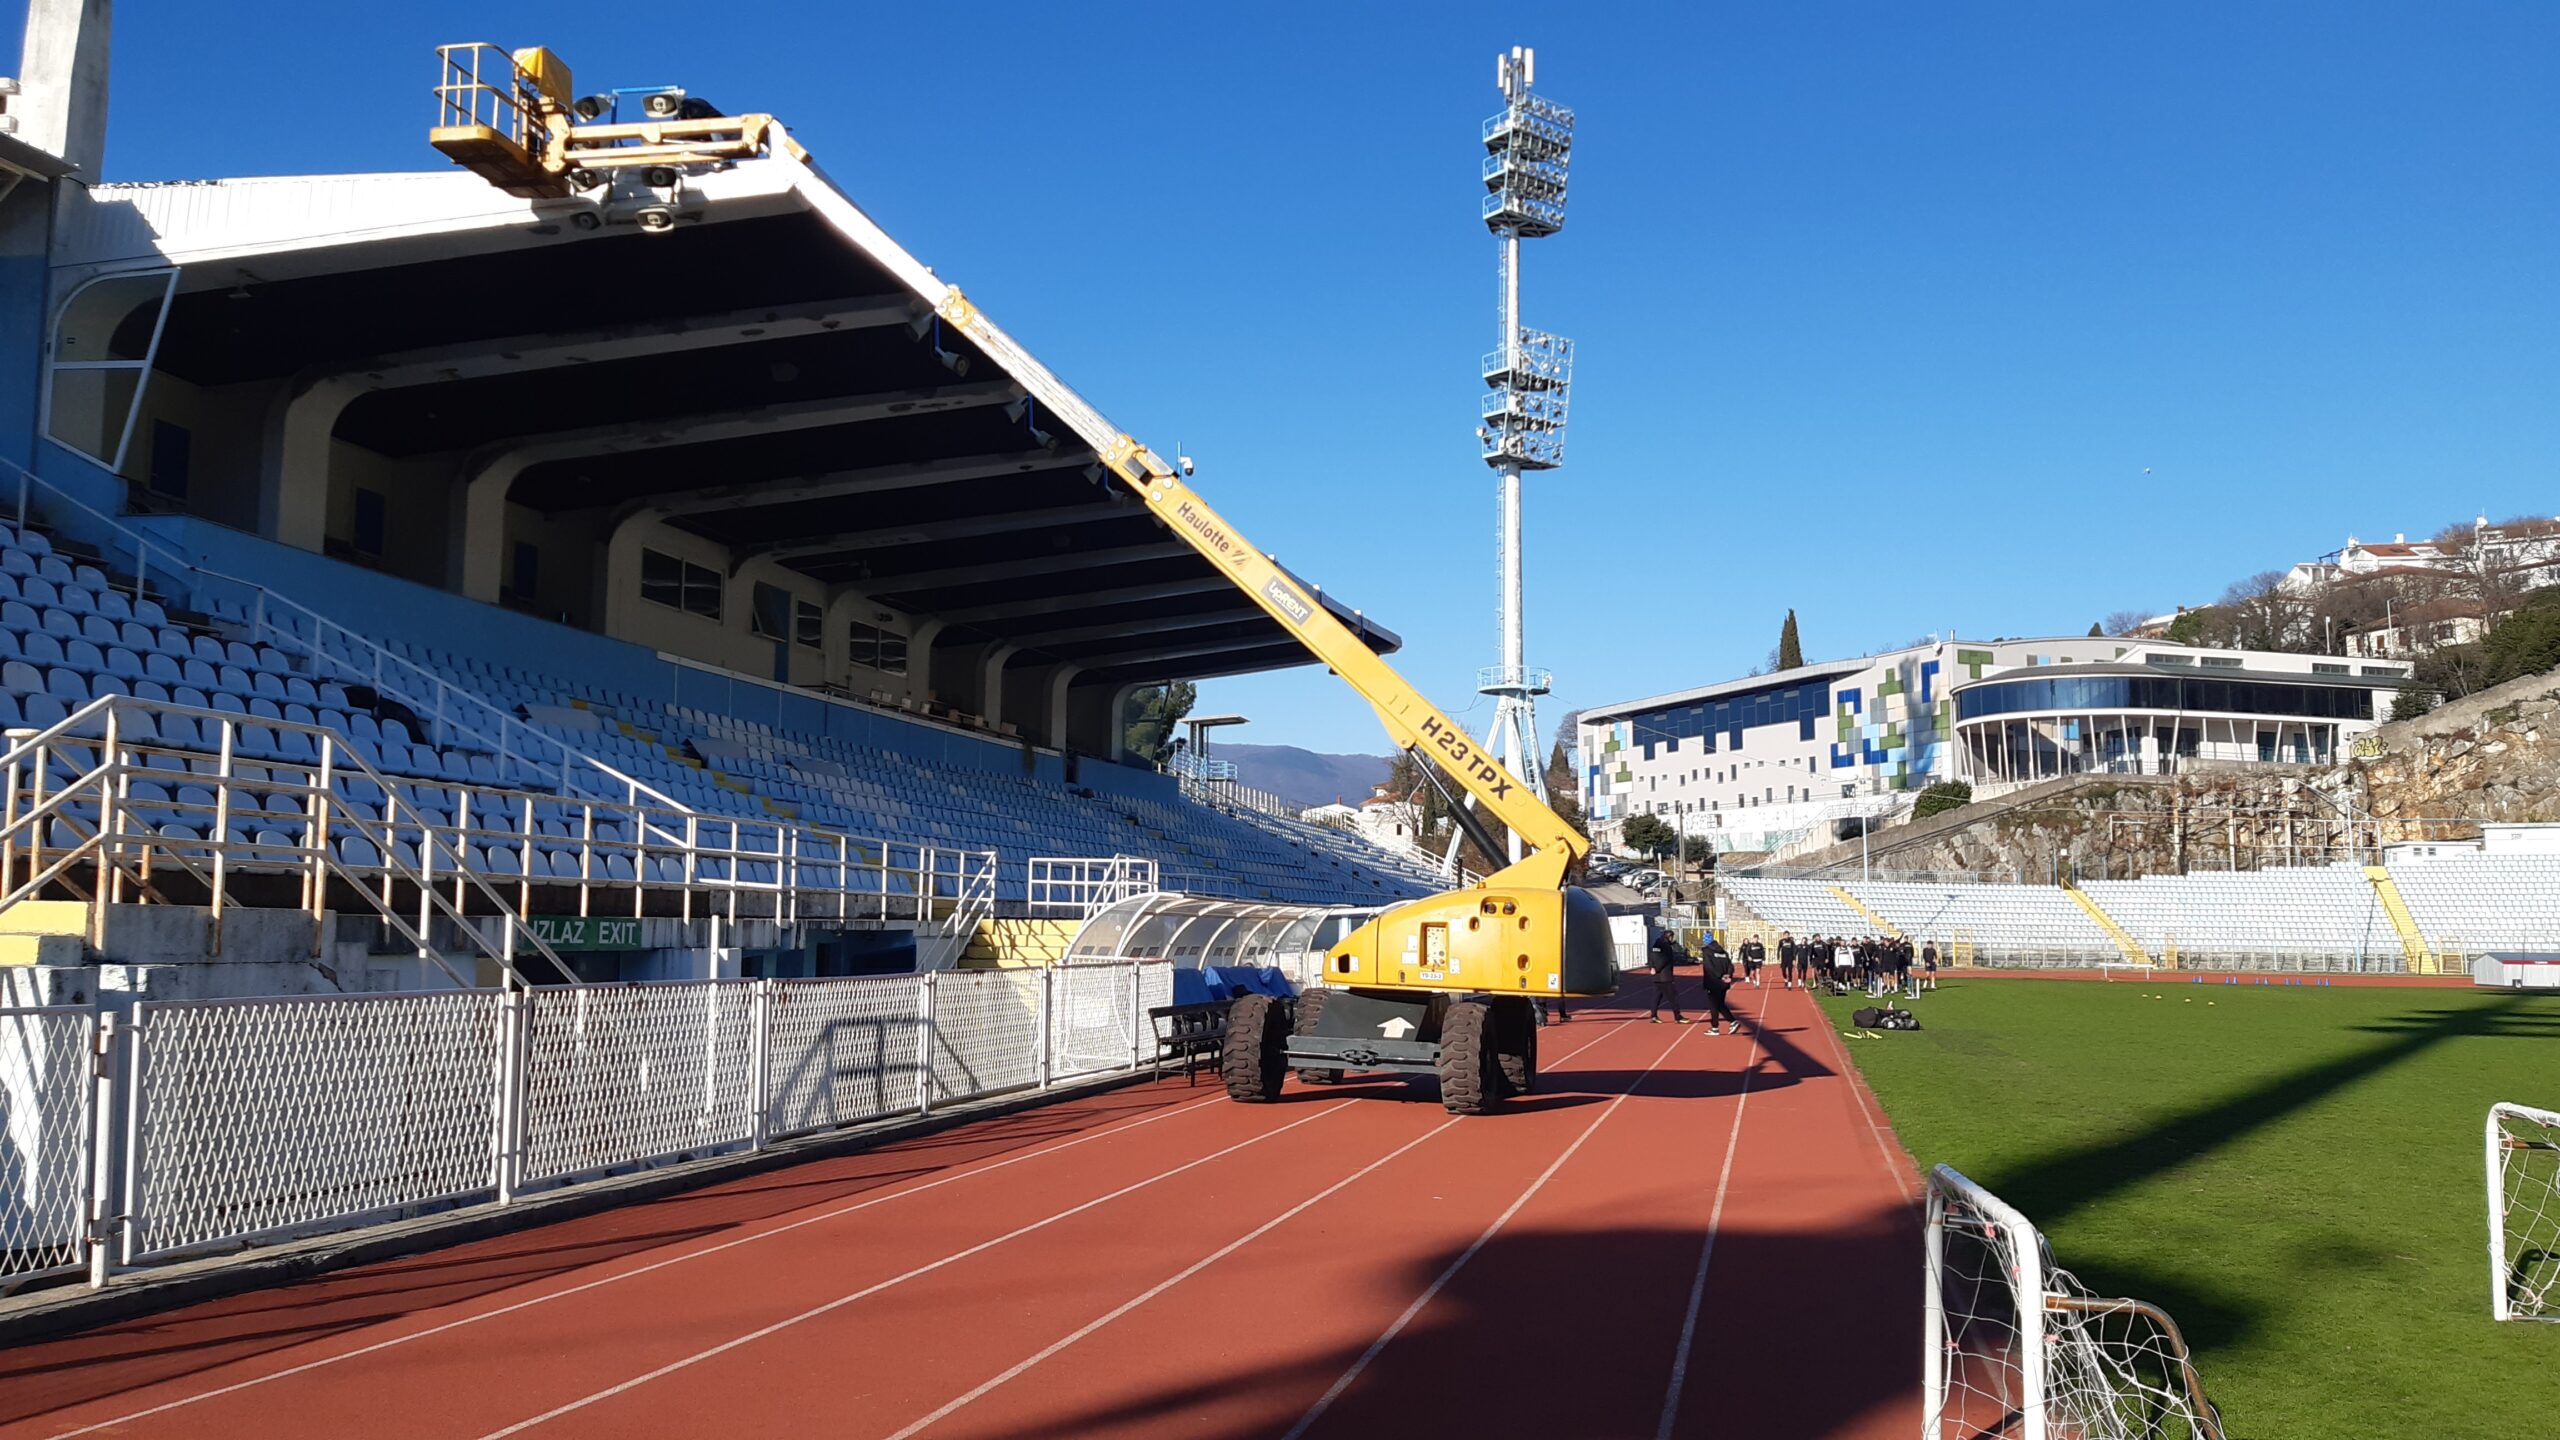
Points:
x=1717 y=972
x=1666 y=985
x=1754 y=955
x=1929 y=966
x=1787 y=958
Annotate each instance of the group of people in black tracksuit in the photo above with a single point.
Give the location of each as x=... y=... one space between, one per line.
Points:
x=1881 y=964
x=1717 y=972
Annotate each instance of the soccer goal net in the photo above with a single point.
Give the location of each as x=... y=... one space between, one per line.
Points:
x=2524 y=1213
x=2019 y=1349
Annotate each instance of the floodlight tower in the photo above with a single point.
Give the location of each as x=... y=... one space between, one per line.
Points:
x=1528 y=152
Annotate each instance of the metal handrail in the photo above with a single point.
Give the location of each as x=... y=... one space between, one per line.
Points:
x=935 y=876
x=109 y=838
x=436 y=699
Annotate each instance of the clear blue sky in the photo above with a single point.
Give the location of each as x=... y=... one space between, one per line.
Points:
x=1884 y=310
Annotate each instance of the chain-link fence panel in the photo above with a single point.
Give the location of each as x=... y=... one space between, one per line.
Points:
x=46 y=1112
x=842 y=1051
x=986 y=1032
x=1093 y=1019
x=253 y=1117
x=619 y=1074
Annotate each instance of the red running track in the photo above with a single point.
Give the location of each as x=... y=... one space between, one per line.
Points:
x=1680 y=1234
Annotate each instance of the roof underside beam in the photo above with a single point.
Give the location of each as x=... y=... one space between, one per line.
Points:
x=754 y=420
x=517 y=354
x=969 y=528
x=1082 y=600
x=875 y=480
x=1201 y=619
x=962 y=575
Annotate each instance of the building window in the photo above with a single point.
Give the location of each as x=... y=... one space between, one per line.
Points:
x=808 y=625
x=878 y=649
x=169 y=460
x=370 y=525
x=524 y=570
x=2320 y=669
x=2394 y=671
x=769 y=618
x=680 y=584
x=2223 y=662
x=103 y=342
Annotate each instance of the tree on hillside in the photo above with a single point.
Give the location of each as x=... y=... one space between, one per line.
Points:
x=2124 y=622
x=1940 y=798
x=1564 y=788
x=1648 y=835
x=2265 y=615
x=1152 y=715
x=1790 y=645
x=2527 y=642
x=1407 y=781
x=2096 y=629
x=1699 y=851
x=2413 y=701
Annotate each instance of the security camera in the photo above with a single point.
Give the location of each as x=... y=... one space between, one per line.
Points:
x=592 y=107
x=663 y=104
x=1183 y=463
x=660 y=177
x=655 y=219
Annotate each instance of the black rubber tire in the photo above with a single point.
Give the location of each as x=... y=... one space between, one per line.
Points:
x=1249 y=1060
x=1470 y=1082
x=1311 y=1005
x=1518 y=1050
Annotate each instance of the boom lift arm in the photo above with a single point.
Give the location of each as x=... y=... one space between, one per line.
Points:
x=1550 y=845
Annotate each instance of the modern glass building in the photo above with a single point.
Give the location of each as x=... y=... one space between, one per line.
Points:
x=1756 y=763
x=2150 y=718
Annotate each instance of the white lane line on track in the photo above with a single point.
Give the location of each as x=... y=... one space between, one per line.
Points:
x=1323 y=1403
x=1231 y=1247
x=1707 y=1251
x=1877 y=1128
x=579 y=1289
x=1161 y=1286
x=956 y=1256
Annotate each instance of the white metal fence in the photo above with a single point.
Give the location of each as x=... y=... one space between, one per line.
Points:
x=206 y=1125
x=46 y=1118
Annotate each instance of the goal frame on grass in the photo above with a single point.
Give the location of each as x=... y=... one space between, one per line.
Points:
x=2522 y=1166
x=2098 y=1368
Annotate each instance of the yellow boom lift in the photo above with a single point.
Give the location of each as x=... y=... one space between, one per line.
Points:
x=1447 y=985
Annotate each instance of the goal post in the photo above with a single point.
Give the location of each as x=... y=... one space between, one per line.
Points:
x=2017 y=1348
x=2522 y=1165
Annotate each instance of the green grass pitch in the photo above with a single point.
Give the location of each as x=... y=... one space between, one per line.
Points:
x=2293 y=1171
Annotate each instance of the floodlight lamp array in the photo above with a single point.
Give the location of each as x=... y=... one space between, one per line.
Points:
x=1528 y=160
x=1523 y=410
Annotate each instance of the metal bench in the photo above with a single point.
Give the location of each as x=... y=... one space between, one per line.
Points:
x=1188 y=1033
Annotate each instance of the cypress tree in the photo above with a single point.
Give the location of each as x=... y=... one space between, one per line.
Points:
x=1790 y=649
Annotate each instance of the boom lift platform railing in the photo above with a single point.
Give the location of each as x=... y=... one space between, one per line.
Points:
x=509 y=117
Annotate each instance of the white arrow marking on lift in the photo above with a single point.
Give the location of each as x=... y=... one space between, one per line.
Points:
x=1395 y=1029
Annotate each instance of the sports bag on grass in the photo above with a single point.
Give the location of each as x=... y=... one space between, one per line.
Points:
x=1887 y=1017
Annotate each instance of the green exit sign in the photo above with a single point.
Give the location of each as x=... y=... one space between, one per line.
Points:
x=585 y=932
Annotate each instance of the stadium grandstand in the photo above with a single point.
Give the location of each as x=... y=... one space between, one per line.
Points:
x=671 y=545
x=2433 y=909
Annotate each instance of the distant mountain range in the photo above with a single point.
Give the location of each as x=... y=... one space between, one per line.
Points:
x=1304 y=777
